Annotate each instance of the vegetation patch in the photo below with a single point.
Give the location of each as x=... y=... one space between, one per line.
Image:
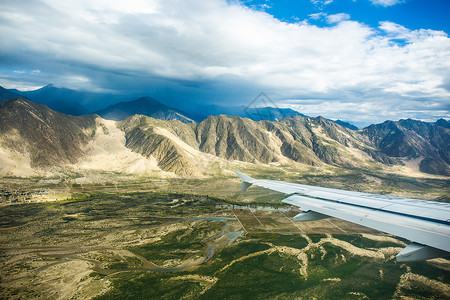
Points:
x=361 y=242
x=289 y=240
x=179 y=245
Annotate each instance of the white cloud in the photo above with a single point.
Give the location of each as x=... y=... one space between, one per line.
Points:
x=336 y=18
x=104 y=11
x=317 y=16
x=209 y=42
x=321 y=3
x=386 y=3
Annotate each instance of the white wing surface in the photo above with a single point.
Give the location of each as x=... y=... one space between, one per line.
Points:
x=425 y=223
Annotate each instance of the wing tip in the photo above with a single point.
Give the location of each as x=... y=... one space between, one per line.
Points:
x=246 y=181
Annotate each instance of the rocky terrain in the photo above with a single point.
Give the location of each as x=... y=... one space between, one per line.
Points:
x=414 y=139
x=35 y=138
x=40 y=138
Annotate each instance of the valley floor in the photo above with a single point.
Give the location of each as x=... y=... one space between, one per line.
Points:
x=202 y=238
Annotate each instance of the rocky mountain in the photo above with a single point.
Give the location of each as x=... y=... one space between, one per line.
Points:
x=35 y=137
x=309 y=141
x=42 y=137
x=143 y=106
x=414 y=139
x=443 y=123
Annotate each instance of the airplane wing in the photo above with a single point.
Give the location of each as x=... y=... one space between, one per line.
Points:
x=425 y=223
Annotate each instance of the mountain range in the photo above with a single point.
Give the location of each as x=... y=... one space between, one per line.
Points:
x=69 y=101
x=35 y=138
x=118 y=107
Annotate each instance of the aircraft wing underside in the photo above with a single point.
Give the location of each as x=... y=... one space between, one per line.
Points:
x=426 y=223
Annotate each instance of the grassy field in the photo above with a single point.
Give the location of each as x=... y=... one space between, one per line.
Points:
x=142 y=241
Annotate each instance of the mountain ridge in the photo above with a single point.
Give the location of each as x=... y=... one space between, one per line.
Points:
x=52 y=139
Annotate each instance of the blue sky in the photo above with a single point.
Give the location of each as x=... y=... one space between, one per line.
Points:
x=363 y=61
x=413 y=14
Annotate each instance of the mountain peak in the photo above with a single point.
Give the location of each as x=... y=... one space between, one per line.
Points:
x=20 y=101
x=146 y=106
x=48 y=88
x=145 y=99
x=443 y=123
x=346 y=124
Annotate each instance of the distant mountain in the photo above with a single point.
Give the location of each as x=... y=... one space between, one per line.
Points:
x=76 y=102
x=443 y=123
x=60 y=99
x=346 y=124
x=253 y=113
x=143 y=106
x=414 y=139
x=7 y=94
x=68 y=101
x=270 y=113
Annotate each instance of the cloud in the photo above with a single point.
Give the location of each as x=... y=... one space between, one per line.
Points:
x=386 y=3
x=317 y=16
x=218 y=50
x=321 y=3
x=336 y=18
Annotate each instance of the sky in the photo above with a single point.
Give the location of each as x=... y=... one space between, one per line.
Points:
x=363 y=61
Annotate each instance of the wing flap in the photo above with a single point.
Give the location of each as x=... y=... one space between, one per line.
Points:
x=309 y=216
x=422 y=231
x=417 y=252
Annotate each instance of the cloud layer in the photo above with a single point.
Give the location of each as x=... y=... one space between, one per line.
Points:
x=220 y=50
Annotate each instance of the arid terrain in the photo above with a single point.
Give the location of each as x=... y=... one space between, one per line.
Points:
x=202 y=238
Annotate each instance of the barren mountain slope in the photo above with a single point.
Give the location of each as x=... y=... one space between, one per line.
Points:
x=411 y=139
x=311 y=141
x=46 y=137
